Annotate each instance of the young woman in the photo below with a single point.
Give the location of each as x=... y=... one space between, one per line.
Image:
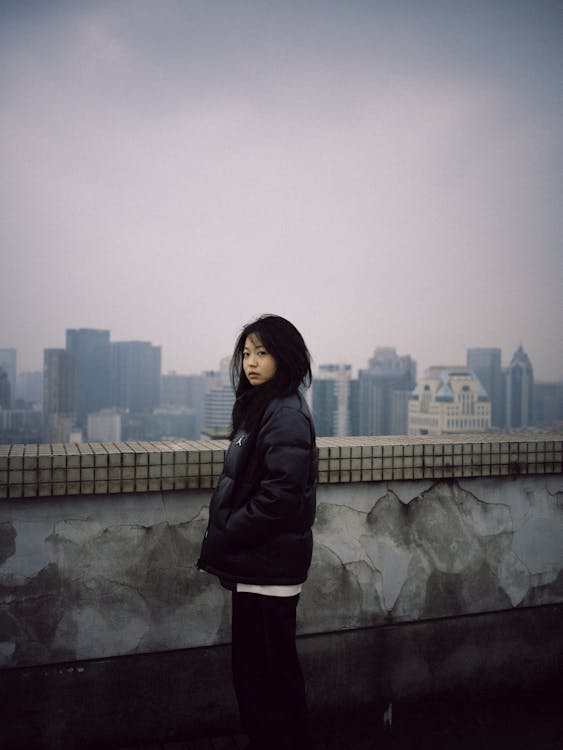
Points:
x=259 y=541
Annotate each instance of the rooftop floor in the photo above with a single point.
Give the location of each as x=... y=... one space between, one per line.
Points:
x=526 y=723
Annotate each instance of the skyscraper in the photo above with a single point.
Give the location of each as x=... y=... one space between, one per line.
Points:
x=184 y=391
x=519 y=391
x=354 y=405
x=380 y=411
x=29 y=388
x=8 y=359
x=174 y=389
x=135 y=375
x=58 y=382
x=218 y=402
x=58 y=395
x=486 y=364
x=331 y=400
x=548 y=405
x=5 y=390
x=91 y=356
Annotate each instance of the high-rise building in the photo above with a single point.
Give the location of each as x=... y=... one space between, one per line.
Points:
x=446 y=400
x=217 y=419
x=381 y=411
x=58 y=382
x=354 y=402
x=29 y=387
x=218 y=402
x=58 y=395
x=486 y=364
x=181 y=392
x=174 y=389
x=196 y=390
x=8 y=362
x=331 y=394
x=91 y=355
x=399 y=412
x=135 y=375
x=548 y=405
x=5 y=390
x=519 y=391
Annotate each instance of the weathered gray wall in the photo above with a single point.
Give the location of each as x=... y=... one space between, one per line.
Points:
x=405 y=551
x=99 y=576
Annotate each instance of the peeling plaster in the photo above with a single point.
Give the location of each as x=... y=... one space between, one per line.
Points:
x=371 y=586
x=408 y=490
x=412 y=597
x=351 y=525
x=360 y=497
x=392 y=562
x=522 y=495
x=446 y=530
x=29 y=556
x=538 y=545
x=514 y=578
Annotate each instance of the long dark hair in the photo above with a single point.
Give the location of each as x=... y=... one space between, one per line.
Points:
x=293 y=368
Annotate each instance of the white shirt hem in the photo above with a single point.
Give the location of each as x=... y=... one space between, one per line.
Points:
x=251 y=588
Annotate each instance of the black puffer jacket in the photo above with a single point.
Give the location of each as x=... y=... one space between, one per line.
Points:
x=262 y=510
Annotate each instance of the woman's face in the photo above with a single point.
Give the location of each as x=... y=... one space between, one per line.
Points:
x=258 y=364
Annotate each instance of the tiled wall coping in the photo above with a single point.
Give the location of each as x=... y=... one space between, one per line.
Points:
x=101 y=468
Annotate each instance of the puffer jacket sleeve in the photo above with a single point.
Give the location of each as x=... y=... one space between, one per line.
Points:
x=284 y=447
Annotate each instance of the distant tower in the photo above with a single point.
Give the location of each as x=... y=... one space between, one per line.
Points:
x=548 y=405
x=486 y=364
x=519 y=391
x=58 y=382
x=58 y=395
x=29 y=388
x=219 y=400
x=174 y=389
x=331 y=400
x=384 y=388
x=354 y=403
x=8 y=358
x=91 y=355
x=184 y=391
x=135 y=375
x=5 y=390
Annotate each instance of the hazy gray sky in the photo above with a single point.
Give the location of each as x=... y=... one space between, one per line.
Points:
x=381 y=173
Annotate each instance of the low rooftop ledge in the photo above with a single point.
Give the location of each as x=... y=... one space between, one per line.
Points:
x=100 y=468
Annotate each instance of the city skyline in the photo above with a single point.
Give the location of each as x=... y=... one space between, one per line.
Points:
x=112 y=390
x=506 y=357
x=382 y=173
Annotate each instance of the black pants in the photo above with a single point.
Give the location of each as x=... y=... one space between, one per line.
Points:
x=266 y=672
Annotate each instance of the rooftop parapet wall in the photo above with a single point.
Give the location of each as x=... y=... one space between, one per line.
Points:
x=100 y=575
x=110 y=468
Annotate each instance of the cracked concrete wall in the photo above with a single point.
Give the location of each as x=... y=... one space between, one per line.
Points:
x=99 y=576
